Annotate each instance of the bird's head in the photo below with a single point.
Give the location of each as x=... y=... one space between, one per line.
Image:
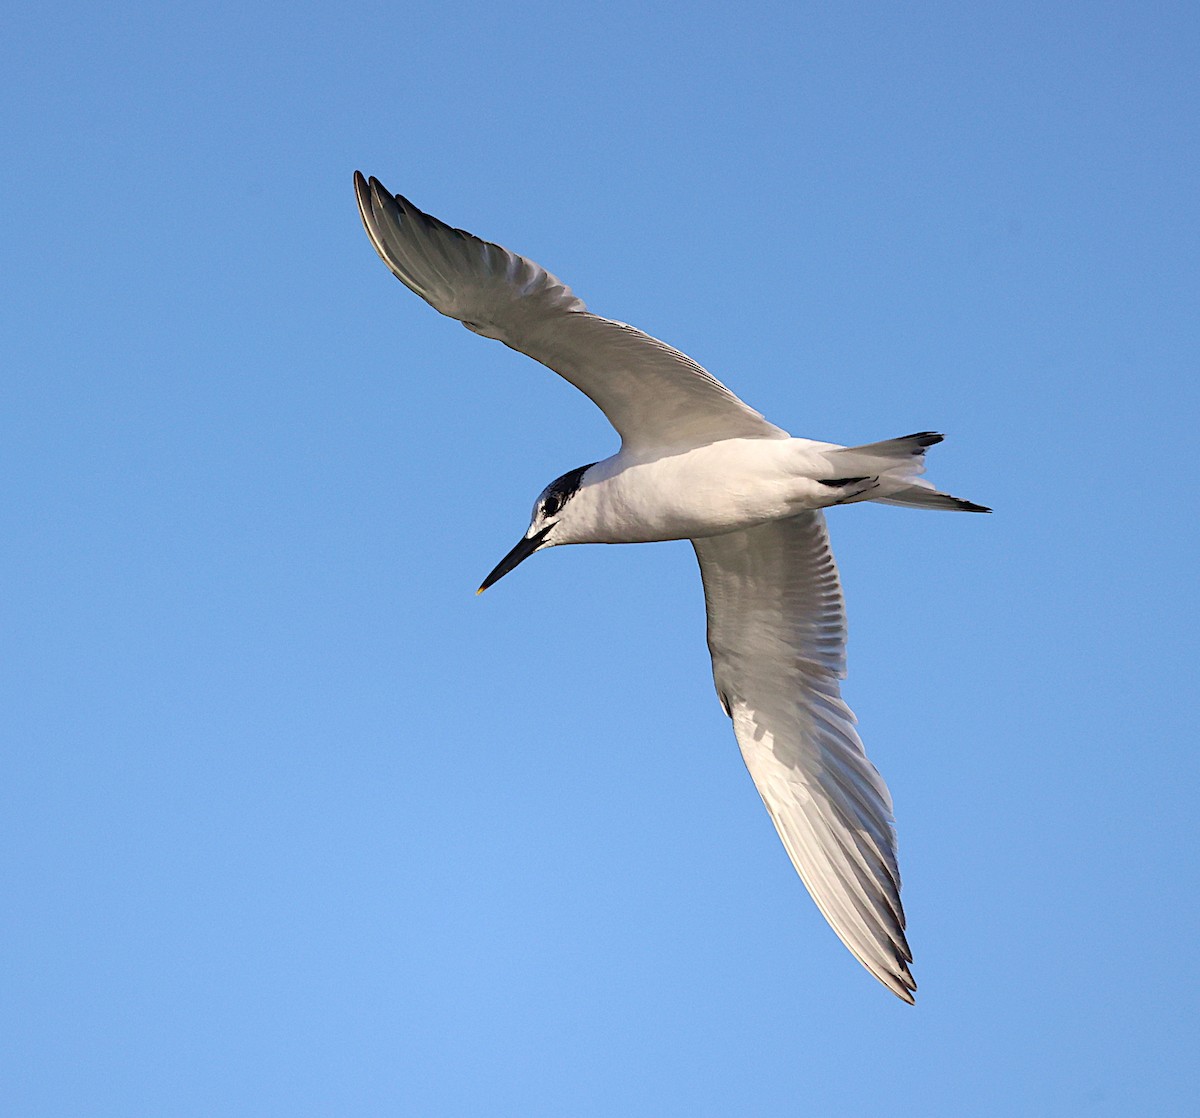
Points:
x=549 y=511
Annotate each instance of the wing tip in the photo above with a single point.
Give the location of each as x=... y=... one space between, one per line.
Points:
x=900 y=981
x=892 y=972
x=362 y=192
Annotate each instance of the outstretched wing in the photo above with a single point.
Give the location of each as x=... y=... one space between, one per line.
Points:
x=656 y=397
x=777 y=633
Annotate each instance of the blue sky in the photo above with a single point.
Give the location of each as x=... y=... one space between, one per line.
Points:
x=296 y=825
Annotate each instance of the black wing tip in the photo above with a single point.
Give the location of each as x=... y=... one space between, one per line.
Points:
x=906 y=987
x=371 y=194
x=374 y=196
x=362 y=191
x=367 y=185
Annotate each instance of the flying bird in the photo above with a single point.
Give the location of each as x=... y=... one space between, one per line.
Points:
x=696 y=463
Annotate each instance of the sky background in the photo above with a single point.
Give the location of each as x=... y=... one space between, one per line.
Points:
x=294 y=825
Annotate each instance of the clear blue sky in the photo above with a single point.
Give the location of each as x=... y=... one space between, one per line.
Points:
x=295 y=825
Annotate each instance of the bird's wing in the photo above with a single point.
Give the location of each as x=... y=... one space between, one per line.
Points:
x=655 y=396
x=777 y=633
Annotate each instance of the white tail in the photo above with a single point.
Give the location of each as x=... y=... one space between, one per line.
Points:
x=898 y=464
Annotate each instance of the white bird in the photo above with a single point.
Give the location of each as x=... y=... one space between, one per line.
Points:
x=697 y=463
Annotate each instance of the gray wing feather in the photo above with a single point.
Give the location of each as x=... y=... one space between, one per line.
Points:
x=777 y=634
x=656 y=397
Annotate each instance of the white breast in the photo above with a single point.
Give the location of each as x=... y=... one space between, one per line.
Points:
x=722 y=487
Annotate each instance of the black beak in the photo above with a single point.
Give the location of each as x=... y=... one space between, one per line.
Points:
x=524 y=549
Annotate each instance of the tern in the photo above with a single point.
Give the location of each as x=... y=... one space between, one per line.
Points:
x=696 y=463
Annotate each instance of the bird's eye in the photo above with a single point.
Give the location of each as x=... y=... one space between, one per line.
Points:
x=551 y=505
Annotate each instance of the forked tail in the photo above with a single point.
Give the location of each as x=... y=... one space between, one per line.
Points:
x=898 y=464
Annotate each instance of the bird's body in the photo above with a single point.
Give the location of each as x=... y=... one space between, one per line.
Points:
x=697 y=463
x=709 y=490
